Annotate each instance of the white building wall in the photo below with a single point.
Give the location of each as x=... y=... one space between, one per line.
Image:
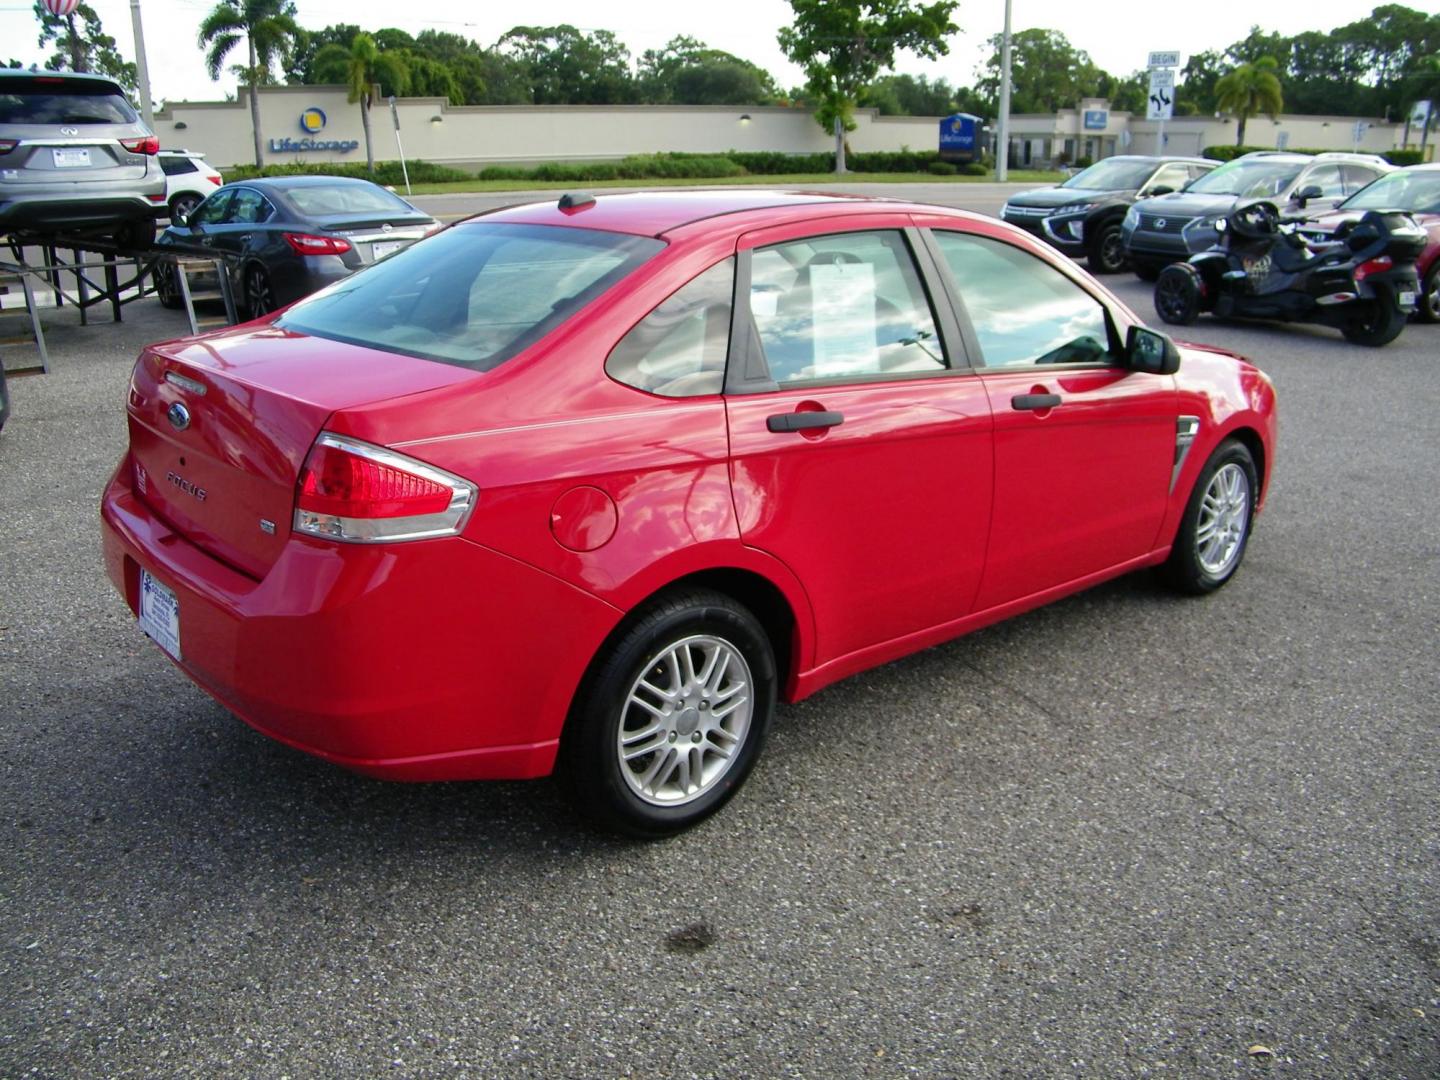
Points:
x=436 y=131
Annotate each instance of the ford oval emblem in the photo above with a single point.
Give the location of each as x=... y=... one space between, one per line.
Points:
x=179 y=416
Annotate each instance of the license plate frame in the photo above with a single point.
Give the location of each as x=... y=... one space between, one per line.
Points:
x=380 y=249
x=1406 y=299
x=71 y=157
x=159 y=613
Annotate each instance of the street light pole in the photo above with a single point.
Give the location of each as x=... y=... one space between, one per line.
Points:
x=1002 y=149
x=395 y=119
x=142 y=69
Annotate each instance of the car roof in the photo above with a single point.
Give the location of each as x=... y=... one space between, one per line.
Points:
x=59 y=76
x=287 y=183
x=654 y=213
x=1160 y=158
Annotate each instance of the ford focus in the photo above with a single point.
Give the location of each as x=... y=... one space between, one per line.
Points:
x=588 y=487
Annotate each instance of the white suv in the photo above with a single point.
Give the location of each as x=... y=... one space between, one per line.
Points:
x=188 y=181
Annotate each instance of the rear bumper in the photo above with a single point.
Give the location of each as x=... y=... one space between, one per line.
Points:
x=72 y=210
x=433 y=660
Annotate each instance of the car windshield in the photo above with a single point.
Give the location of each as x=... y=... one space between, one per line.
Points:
x=1248 y=179
x=1417 y=192
x=323 y=200
x=474 y=295
x=1112 y=175
x=60 y=101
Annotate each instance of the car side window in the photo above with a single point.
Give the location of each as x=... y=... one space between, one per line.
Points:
x=1357 y=177
x=1197 y=171
x=1024 y=311
x=176 y=166
x=679 y=349
x=849 y=305
x=1172 y=176
x=212 y=209
x=248 y=207
x=1328 y=179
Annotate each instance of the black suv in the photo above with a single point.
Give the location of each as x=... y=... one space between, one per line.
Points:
x=1174 y=227
x=76 y=158
x=1082 y=216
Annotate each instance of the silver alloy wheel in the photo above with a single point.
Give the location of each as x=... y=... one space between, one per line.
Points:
x=684 y=720
x=1224 y=518
x=1430 y=295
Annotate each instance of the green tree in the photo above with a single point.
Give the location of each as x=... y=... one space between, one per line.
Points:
x=268 y=29
x=1046 y=72
x=360 y=68
x=844 y=45
x=688 y=72
x=1196 y=86
x=90 y=49
x=1250 y=89
x=907 y=95
x=567 y=66
x=299 y=61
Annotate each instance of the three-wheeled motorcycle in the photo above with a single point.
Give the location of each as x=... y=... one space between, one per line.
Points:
x=1363 y=282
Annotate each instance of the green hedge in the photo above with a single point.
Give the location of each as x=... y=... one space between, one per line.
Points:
x=1229 y=153
x=1402 y=157
x=386 y=172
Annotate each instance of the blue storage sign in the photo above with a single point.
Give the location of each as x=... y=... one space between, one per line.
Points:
x=960 y=135
x=1097 y=119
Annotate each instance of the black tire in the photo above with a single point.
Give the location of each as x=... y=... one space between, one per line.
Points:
x=610 y=791
x=1195 y=565
x=167 y=291
x=184 y=203
x=1428 y=309
x=1106 y=251
x=1146 y=271
x=259 y=293
x=1380 y=324
x=1179 y=294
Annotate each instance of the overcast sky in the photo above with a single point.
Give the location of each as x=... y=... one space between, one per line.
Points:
x=747 y=28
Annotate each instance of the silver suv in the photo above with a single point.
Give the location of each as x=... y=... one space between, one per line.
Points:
x=76 y=158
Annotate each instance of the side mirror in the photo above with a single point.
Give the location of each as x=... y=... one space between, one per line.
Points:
x=1306 y=193
x=1151 y=351
x=1160 y=189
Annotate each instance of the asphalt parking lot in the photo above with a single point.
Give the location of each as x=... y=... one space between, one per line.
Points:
x=1126 y=835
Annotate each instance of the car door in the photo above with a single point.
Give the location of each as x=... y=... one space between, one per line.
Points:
x=1084 y=447
x=859 y=438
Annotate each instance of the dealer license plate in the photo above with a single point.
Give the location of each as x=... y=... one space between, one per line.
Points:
x=71 y=159
x=160 y=613
x=381 y=250
x=1405 y=299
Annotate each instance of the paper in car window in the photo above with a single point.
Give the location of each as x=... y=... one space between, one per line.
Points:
x=843 y=305
x=764 y=301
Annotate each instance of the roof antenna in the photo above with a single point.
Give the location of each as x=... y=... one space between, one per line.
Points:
x=576 y=200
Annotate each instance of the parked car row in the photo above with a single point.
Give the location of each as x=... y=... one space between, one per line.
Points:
x=1318 y=238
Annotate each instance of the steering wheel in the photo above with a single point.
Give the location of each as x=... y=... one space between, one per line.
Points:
x=1256 y=221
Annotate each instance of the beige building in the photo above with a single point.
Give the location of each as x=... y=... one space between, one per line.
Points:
x=1094 y=131
x=317 y=124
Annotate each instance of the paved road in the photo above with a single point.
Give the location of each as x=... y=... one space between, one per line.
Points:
x=1126 y=835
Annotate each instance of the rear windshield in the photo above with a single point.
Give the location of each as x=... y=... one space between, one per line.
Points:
x=1248 y=179
x=1415 y=192
x=474 y=295
x=325 y=200
x=35 y=101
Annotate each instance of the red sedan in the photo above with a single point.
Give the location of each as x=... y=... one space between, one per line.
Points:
x=592 y=485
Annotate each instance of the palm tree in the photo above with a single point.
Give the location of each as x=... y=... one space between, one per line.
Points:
x=1250 y=89
x=269 y=30
x=360 y=67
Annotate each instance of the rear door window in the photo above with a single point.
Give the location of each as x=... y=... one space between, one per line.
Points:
x=473 y=295
x=846 y=306
x=248 y=207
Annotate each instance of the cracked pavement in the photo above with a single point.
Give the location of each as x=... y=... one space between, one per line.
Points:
x=1126 y=835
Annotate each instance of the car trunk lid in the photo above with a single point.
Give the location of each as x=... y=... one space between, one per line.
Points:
x=220 y=425
x=375 y=236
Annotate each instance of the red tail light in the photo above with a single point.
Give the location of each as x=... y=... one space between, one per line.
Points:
x=354 y=491
x=1373 y=266
x=215 y=179
x=308 y=244
x=147 y=144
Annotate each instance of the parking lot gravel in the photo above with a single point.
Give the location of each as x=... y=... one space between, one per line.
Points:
x=1126 y=835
